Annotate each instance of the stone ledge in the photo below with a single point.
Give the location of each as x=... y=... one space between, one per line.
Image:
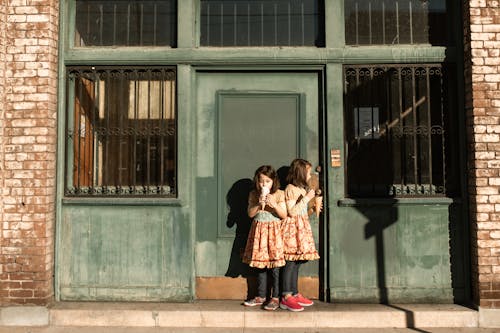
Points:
x=24 y=316
x=489 y=318
x=227 y=314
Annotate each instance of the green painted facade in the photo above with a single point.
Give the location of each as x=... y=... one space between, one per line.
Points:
x=123 y=249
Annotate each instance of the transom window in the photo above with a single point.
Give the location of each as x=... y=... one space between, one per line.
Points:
x=121 y=131
x=398 y=130
x=395 y=22
x=125 y=23
x=262 y=23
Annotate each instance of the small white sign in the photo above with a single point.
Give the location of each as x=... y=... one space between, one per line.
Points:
x=366 y=125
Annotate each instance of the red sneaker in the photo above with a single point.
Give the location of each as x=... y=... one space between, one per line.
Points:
x=301 y=300
x=291 y=304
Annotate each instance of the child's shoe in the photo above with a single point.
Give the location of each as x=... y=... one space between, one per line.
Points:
x=273 y=304
x=254 y=301
x=302 y=300
x=291 y=304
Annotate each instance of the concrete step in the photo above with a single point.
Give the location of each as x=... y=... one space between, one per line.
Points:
x=231 y=314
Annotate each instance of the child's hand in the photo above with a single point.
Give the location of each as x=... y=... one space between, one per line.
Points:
x=310 y=195
x=271 y=201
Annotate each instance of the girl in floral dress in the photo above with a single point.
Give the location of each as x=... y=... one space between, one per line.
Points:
x=264 y=248
x=298 y=239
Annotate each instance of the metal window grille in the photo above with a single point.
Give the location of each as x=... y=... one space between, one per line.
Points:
x=262 y=23
x=126 y=23
x=121 y=131
x=398 y=130
x=372 y=22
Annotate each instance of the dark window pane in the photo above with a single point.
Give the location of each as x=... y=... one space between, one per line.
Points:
x=398 y=131
x=262 y=23
x=125 y=23
x=379 y=22
x=121 y=132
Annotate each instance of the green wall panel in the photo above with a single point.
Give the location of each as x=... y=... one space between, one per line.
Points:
x=391 y=253
x=125 y=253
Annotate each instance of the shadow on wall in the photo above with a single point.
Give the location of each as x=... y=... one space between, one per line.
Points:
x=237 y=200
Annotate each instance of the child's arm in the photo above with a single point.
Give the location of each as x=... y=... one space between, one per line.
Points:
x=253 y=205
x=293 y=205
x=278 y=206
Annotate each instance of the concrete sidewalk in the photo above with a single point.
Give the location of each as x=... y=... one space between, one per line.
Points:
x=240 y=330
x=231 y=316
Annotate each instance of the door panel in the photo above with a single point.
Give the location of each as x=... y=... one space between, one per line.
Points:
x=245 y=120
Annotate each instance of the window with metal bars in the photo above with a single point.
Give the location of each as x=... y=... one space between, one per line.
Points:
x=121 y=131
x=125 y=23
x=390 y=22
x=399 y=130
x=262 y=23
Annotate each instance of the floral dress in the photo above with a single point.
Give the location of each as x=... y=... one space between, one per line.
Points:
x=297 y=234
x=264 y=248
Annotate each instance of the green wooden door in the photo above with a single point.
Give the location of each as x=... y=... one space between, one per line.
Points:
x=245 y=120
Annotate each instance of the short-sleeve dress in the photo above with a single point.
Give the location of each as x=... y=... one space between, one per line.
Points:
x=264 y=248
x=298 y=239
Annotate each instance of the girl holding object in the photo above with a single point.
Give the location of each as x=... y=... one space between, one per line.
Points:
x=298 y=239
x=264 y=248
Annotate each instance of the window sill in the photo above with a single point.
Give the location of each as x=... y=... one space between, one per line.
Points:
x=120 y=201
x=349 y=202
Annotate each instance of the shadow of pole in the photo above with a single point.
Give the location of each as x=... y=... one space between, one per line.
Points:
x=375 y=228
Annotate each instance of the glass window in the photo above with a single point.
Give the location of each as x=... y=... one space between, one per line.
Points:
x=125 y=23
x=371 y=22
x=121 y=131
x=262 y=23
x=399 y=131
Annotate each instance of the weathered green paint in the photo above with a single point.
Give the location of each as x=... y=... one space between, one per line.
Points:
x=144 y=249
x=125 y=253
x=392 y=252
x=217 y=94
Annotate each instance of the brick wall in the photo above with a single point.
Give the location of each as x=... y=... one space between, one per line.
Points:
x=29 y=60
x=483 y=111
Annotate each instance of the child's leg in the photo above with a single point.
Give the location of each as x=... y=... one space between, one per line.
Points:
x=295 y=278
x=287 y=277
x=262 y=283
x=276 y=282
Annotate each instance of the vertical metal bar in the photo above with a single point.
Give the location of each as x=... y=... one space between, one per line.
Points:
x=415 y=138
x=141 y=23
x=235 y=33
x=357 y=22
x=222 y=24
x=383 y=22
x=261 y=24
x=148 y=132
x=136 y=128
x=208 y=23
x=411 y=21
x=107 y=112
x=95 y=110
x=162 y=130
x=429 y=125
x=248 y=24
x=101 y=19
x=443 y=151
x=400 y=122
x=397 y=22
x=97 y=163
x=78 y=133
x=275 y=24
x=372 y=69
x=289 y=24
x=303 y=24
x=88 y=26
x=120 y=133
x=155 y=18
x=370 y=22
x=114 y=24
x=128 y=24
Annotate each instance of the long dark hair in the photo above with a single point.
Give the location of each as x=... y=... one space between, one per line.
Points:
x=297 y=175
x=268 y=171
